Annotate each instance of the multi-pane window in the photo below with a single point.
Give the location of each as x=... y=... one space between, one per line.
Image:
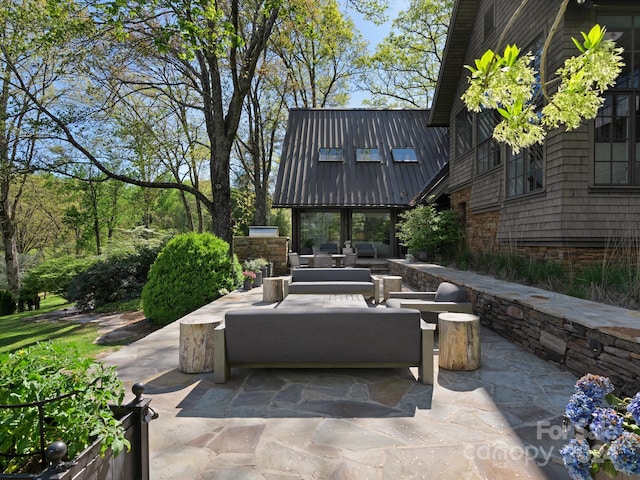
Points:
x=367 y=155
x=330 y=155
x=617 y=125
x=524 y=171
x=464 y=132
x=488 y=151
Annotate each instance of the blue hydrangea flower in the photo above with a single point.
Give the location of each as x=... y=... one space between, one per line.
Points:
x=606 y=424
x=625 y=453
x=596 y=387
x=634 y=408
x=577 y=459
x=580 y=408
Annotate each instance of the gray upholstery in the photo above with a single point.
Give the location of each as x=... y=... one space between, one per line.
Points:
x=328 y=335
x=329 y=248
x=366 y=250
x=448 y=292
x=334 y=280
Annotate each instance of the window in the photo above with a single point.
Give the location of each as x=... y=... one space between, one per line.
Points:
x=367 y=155
x=464 y=132
x=330 y=155
x=617 y=125
x=524 y=171
x=488 y=152
x=404 y=154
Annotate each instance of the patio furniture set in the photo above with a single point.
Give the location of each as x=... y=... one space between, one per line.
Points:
x=324 y=321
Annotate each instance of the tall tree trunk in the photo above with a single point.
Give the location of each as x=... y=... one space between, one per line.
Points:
x=11 y=259
x=187 y=210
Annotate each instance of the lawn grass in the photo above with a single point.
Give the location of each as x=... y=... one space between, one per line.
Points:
x=23 y=329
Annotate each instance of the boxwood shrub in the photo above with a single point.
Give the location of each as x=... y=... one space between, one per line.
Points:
x=191 y=271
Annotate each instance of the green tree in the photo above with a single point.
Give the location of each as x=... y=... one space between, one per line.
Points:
x=28 y=57
x=403 y=70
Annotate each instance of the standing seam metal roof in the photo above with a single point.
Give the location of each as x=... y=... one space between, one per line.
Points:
x=303 y=181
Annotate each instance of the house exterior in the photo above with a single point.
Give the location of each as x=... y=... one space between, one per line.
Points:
x=577 y=193
x=347 y=174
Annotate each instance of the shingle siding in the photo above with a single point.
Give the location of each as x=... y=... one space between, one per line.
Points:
x=569 y=210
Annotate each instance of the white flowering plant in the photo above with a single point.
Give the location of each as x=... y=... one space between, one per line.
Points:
x=607 y=430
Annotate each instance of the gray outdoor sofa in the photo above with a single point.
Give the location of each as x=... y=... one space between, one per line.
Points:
x=336 y=281
x=447 y=298
x=324 y=338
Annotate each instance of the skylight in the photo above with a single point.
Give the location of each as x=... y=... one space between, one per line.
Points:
x=404 y=155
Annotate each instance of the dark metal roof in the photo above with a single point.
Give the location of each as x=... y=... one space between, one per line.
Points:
x=463 y=17
x=303 y=181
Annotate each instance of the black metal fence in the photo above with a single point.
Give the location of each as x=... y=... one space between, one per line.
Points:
x=89 y=465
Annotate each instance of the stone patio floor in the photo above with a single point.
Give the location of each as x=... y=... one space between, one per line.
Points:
x=503 y=421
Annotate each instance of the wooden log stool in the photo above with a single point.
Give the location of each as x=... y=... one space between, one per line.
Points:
x=274 y=289
x=391 y=283
x=196 y=345
x=459 y=341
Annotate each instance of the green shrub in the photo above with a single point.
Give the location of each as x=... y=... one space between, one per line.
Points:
x=55 y=274
x=7 y=303
x=118 y=278
x=44 y=372
x=423 y=229
x=191 y=271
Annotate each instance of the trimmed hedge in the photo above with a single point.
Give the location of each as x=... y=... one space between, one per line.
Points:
x=191 y=271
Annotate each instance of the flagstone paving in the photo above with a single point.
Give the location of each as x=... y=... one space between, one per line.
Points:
x=502 y=421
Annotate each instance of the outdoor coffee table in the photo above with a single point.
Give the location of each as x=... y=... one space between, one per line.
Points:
x=328 y=300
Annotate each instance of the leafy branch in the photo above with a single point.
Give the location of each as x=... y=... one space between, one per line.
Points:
x=509 y=84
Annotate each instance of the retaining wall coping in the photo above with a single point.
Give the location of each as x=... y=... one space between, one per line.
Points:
x=615 y=321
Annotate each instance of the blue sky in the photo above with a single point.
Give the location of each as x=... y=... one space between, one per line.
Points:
x=373 y=34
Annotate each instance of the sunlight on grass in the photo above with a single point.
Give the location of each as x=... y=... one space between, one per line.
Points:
x=25 y=328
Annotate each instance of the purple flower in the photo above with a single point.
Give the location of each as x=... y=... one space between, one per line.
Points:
x=580 y=408
x=606 y=424
x=625 y=453
x=634 y=408
x=577 y=459
x=596 y=387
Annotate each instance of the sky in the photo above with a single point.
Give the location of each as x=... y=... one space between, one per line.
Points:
x=373 y=34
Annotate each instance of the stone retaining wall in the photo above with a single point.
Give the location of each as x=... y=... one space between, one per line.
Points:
x=583 y=336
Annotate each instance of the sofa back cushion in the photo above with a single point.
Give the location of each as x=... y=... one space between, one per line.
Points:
x=448 y=292
x=324 y=335
x=331 y=275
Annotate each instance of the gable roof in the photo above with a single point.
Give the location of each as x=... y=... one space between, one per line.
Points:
x=463 y=18
x=303 y=181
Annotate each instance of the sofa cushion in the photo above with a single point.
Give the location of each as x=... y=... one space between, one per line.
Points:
x=331 y=287
x=448 y=292
x=331 y=275
x=327 y=335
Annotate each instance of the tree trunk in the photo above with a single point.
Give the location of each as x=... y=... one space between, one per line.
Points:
x=11 y=258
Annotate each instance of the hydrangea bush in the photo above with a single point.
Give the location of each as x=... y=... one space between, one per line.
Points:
x=607 y=431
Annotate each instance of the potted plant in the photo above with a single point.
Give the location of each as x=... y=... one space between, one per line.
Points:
x=248 y=278
x=254 y=266
x=48 y=394
x=607 y=432
x=263 y=265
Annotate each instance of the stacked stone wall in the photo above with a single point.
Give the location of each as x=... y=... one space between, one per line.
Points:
x=274 y=249
x=613 y=351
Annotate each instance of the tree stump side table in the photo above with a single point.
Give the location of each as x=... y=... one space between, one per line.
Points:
x=196 y=345
x=274 y=289
x=391 y=283
x=459 y=341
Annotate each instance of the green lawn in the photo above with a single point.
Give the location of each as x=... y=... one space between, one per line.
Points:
x=23 y=329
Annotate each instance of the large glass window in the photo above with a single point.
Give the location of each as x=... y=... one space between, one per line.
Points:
x=524 y=172
x=617 y=125
x=372 y=228
x=318 y=228
x=464 y=132
x=488 y=151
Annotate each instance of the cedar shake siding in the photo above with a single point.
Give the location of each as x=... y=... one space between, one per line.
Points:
x=568 y=211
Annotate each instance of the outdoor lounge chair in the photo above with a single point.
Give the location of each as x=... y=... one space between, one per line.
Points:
x=366 y=250
x=448 y=298
x=329 y=248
